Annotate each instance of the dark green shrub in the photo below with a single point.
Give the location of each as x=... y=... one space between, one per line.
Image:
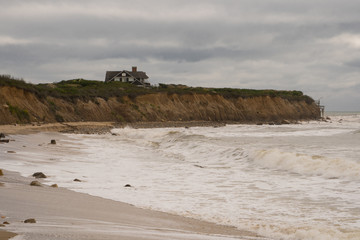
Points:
x=162 y=85
x=59 y=118
x=21 y=114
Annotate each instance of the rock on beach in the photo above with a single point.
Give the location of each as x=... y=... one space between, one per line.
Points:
x=30 y=220
x=39 y=175
x=35 y=183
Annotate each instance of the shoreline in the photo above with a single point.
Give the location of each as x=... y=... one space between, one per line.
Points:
x=105 y=127
x=97 y=127
x=60 y=213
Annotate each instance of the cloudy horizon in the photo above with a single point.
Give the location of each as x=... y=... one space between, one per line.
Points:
x=311 y=46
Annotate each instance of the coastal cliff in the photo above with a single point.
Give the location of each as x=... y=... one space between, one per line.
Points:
x=25 y=105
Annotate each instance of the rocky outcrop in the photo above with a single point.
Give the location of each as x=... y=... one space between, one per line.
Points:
x=19 y=106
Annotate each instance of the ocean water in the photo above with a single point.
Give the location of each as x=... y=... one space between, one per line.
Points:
x=299 y=181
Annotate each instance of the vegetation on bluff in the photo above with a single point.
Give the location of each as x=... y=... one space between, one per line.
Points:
x=90 y=89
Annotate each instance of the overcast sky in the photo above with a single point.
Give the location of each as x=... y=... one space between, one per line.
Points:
x=308 y=45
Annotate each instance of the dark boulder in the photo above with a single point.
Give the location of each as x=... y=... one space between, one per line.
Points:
x=30 y=220
x=35 y=183
x=54 y=186
x=2 y=135
x=127 y=186
x=39 y=175
x=77 y=180
x=53 y=141
x=1 y=172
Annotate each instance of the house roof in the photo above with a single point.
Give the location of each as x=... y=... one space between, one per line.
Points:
x=137 y=75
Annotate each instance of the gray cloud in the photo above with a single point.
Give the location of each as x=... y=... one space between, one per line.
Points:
x=311 y=46
x=354 y=63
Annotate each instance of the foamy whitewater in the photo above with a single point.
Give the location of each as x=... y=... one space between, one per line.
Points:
x=298 y=181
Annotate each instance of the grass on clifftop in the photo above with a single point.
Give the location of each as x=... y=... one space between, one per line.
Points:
x=89 y=89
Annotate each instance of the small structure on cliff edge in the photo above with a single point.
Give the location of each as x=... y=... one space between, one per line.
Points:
x=134 y=77
x=321 y=107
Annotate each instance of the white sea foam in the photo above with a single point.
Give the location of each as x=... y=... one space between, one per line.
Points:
x=284 y=182
x=312 y=165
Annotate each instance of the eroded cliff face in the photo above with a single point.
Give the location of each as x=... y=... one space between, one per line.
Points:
x=18 y=106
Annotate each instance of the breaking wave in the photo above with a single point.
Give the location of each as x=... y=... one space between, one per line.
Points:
x=310 y=165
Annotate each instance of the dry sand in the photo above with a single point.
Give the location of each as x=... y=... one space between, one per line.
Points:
x=64 y=214
x=84 y=127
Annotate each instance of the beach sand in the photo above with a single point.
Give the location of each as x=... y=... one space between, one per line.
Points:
x=71 y=127
x=65 y=214
x=6 y=235
x=96 y=127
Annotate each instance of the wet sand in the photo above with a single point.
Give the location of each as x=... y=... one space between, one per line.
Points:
x=64 y=214
x=96 y=127
x=6 y=235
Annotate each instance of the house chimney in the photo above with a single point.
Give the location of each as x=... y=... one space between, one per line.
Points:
x=134 y=69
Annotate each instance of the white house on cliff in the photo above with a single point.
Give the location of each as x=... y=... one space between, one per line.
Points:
x=134 y=77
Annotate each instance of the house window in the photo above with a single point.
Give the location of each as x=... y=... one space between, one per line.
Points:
x=123 y=74
x=127 y=79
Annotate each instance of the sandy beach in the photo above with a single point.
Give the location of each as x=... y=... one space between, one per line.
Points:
x=65 y=214
x=71 y=127
x=6 y=235
x=97 y=127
